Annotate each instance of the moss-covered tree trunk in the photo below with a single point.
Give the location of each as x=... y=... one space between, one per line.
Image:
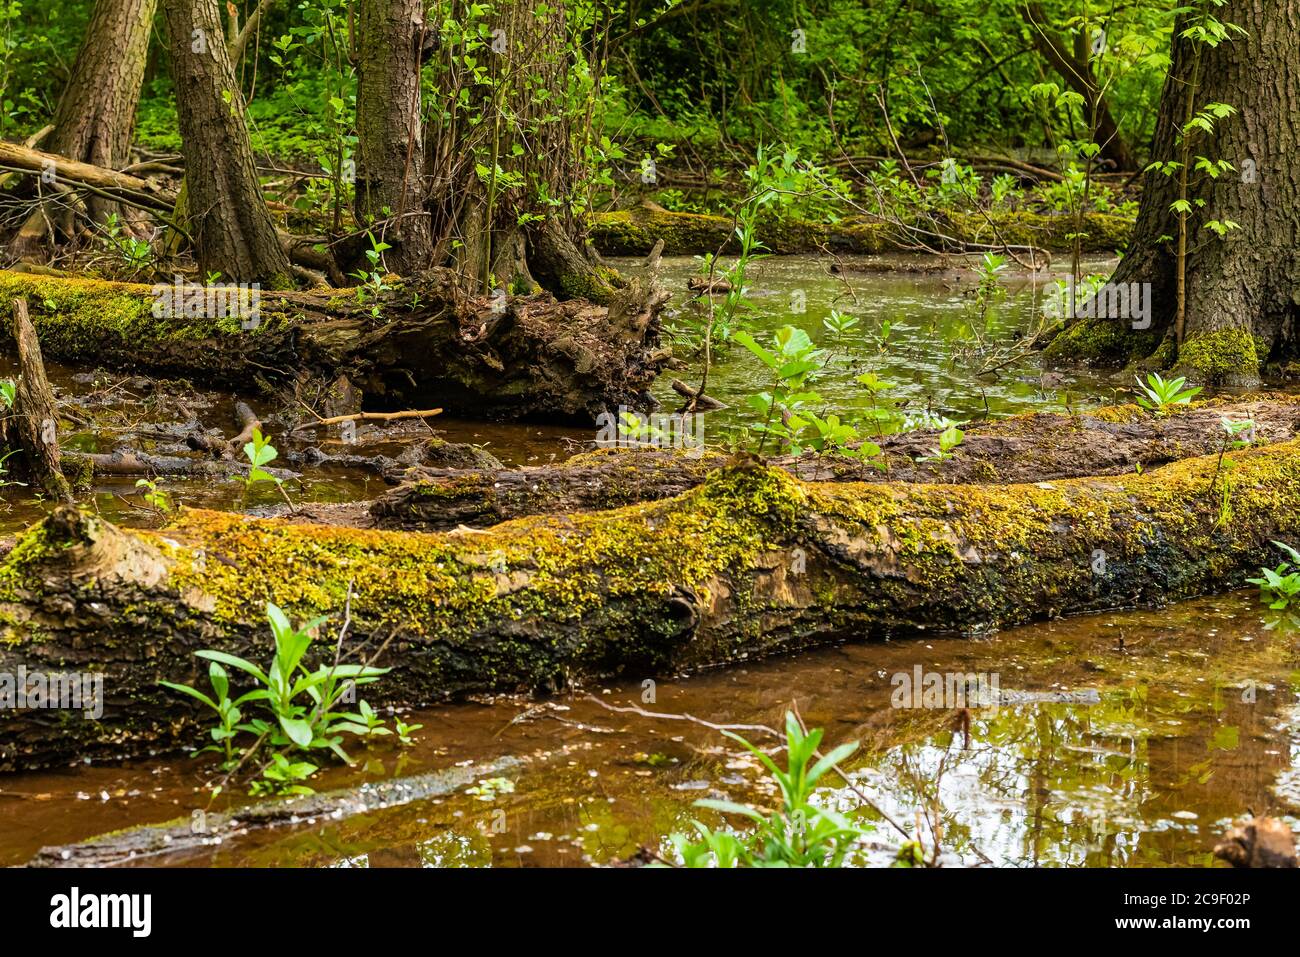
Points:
x=751 y=561
x=1241 y=297
x=228 y=218
x=390 y=185
x=1034 y=447
x=417 y=346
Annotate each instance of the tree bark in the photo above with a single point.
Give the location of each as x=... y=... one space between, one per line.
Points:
x=751 y=561
x=1075 y=69
x=231 y=227
x=420 y=346
x=32 y=429
x=1035 y=447
x=95 y=117
x=1243 y=290
x=390 y=185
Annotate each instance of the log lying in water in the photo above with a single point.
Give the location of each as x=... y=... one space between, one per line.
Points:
x=751 y=561
x=1034 y=447
x=635 y=232
x=429 y=345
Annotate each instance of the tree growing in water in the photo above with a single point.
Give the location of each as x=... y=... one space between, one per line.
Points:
x=1217 y=243
x=498 y=176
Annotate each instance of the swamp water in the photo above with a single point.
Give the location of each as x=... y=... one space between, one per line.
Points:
x=1128 y=738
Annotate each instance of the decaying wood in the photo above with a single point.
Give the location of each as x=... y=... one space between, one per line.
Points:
x=1035 y=447
x=31 y=428
x=192 y=836
x=423 y=344
x=371 y=417
x=128 y=462
x=750 y=561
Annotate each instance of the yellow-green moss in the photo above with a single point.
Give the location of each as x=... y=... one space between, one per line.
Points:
x=78 y=318
x=1220 y=355
x=634 y=232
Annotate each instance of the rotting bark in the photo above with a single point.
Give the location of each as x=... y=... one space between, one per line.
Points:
x=430 y=345
x=750 y=562
x=32 y=428
x=1034 y=447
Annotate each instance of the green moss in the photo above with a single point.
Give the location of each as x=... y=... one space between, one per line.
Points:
x=1099 y=342
x=78 y=318
x=634 y=232
x=1220 y=356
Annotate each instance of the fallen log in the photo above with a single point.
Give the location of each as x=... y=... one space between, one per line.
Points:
x=636 y=232
x=751 y=561
x=1033 y=447
x=421 y=344
x=126 y=462
x=194 y=836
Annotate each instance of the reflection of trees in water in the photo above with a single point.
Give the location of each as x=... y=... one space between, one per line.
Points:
x=1093 y=785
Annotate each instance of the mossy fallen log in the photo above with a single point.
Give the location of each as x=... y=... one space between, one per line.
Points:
x=751 y=561
x=634 y=232
x=421 y=344
x=1032 y=447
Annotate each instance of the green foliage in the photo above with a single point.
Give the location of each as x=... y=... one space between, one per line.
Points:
x=259 y=451
x=157 y=498
x=1280 y=586
x=800 y=834
x=1157 y=394
x=297 y=705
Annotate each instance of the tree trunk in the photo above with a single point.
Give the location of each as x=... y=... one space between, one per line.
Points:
x=229 y=222
x=32 y=428
x=95 y=117
x=519 y=140
x=418 y=346
x=390 y=186
x=751 y=561
x=1242 y=295
x=1035 y=447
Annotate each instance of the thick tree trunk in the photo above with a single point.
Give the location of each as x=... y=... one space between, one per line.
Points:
x=1242 y=294
x=749 y=562
x=418 y=346
x=96 y=113
x=229 y=222
x=390 y=185
x=1035 y=447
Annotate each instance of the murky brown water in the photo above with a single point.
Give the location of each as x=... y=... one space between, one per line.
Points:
x=1194 y=724
x=1194 y=720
